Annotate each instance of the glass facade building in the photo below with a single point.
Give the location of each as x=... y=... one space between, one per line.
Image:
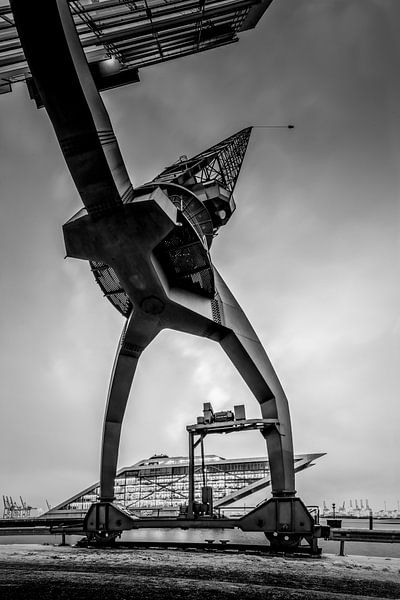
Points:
x=161 y=483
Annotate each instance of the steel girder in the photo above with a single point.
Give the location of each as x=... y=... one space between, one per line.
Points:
x=76 y=110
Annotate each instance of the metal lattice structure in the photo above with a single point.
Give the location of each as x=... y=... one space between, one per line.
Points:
x=136 y=34
x=219 y=164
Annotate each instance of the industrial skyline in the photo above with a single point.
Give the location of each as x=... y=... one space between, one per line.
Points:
x=317 y=214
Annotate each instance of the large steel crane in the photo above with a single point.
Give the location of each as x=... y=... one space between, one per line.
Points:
x=149 y=247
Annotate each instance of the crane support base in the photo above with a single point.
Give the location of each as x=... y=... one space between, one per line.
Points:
x=284 y=521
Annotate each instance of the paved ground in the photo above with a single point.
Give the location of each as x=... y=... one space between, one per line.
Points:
x=33 y=572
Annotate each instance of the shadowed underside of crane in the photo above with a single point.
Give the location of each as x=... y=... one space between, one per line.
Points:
x=201 y=188
x=149 y=247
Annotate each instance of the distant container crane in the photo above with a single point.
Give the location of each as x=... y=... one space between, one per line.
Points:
x=12 y=510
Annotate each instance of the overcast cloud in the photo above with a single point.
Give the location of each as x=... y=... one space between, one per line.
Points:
x=311 y=254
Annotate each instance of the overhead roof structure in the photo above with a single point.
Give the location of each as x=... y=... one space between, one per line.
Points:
x=136 y=34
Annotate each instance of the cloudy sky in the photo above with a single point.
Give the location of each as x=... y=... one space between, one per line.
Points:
x=311 y=254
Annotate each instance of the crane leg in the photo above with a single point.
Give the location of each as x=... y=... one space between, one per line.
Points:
x=104 y=518
x=284 y=518
x=137 y=334
x=246 y=352
x=222 y=320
